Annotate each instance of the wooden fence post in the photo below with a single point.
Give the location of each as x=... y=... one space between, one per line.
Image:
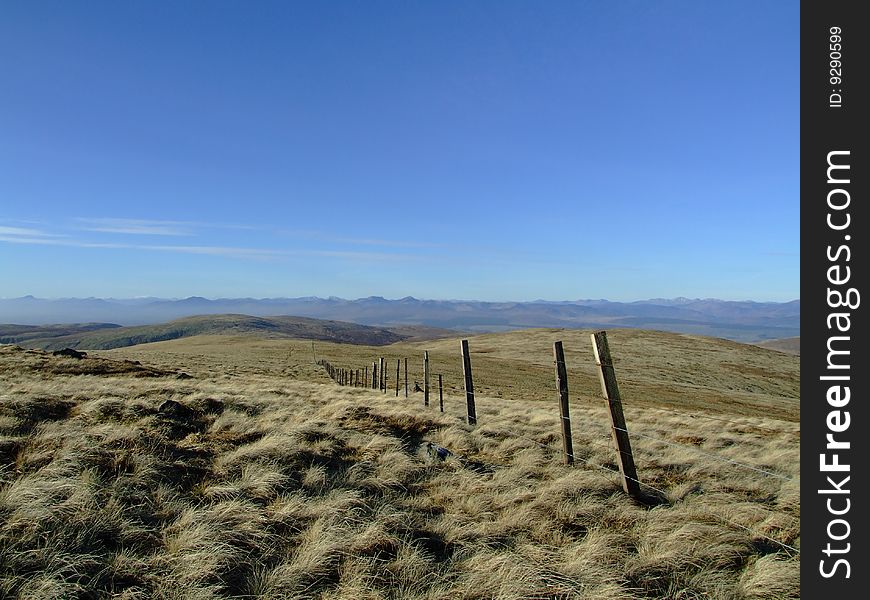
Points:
x=365 y=380
x=382 y=383
x=469 y=384
x=426 y=378
x=440 y=394
x=398 y=379
x=562 y=383
x=624 y=457
x=374 y=374
x=406 y=377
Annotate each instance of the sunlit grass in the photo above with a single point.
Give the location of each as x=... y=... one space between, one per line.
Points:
x=276 y=483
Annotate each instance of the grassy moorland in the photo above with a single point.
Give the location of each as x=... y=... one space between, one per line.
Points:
x=264 y=479
x=655 y=368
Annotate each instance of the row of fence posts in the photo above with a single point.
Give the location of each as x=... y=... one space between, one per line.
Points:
x=607 y=376
x=378 y=380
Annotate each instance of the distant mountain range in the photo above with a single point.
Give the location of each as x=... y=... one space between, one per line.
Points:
x=743 y=321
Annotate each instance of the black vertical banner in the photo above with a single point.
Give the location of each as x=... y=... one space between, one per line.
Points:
x=834 y=373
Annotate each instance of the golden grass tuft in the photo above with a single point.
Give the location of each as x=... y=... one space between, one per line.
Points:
x=245 y=483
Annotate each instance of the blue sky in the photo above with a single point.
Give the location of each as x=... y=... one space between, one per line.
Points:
x=479 y=150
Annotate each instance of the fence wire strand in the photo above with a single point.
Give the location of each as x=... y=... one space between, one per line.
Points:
x=761 y=535
x=708 y=454
x=721 y=420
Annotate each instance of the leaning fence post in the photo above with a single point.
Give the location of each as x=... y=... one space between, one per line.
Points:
x=562 y=383
x=624 y=457
x=426 y=377
x=469 y=384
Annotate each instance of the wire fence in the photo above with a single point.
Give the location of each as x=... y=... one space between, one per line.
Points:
x=379 y=381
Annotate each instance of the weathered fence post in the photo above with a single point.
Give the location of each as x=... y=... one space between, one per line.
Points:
x=426 y=378
x=562 y=383
x=406 y=377
x=440 y=394
x=374 y=374
x=398 y=379
x=624 y=457
x=365 y=380
x=469 y=384
x=382 y=384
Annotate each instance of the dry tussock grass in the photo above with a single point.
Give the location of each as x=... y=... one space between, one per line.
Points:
x=261 y=486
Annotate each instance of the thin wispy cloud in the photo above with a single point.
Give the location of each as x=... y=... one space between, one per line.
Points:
x=25 y=232
x=14 y=239
x=236 y=252
x=155 y=226
x=137 y=226
x=227 y=251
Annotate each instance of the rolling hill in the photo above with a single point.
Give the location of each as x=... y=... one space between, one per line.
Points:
x=23 y=334
x=105 y=336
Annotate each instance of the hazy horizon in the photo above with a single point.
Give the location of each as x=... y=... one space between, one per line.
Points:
x=504 y=151
x=739 y=321
x=409 y=296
